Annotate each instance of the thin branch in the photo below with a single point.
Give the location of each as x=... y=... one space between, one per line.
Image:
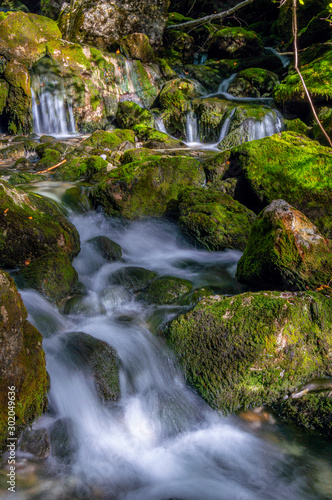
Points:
x=296 y=65
x=51 y=168
x=210 y=18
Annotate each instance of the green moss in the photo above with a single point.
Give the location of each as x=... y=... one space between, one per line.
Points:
x=292 y=256
x=130 y=114
x=298 y=127
x=22 y=362
x=24 y=178
x=4 y=89
x=24 y=36
x=261 y=83
x=148 y=92
x=52 y=275
x=144 y=188
x=291 y=167
x=234 y=42
x=325 y=118
x=213 y=219
x=137 y=154
x=111 y=140
x=211 y=113
x=68 y=54
x=253 y=348
x=18 y=110
x=154 y=139
x=165 y=290
x=50 y=158
x=317 y=75
x=133 y=279
x=30 y=227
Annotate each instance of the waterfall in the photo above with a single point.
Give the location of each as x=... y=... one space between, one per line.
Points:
x=191 y=127
x=160 y=125
x=226 y=125
x=271 y=124
x=52 y=109
x=224 y=84
x=200 y=59
x=284 y=59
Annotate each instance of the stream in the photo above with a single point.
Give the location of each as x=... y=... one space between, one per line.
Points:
x=160 y=441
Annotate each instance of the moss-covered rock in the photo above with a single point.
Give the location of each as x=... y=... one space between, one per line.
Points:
x=325 y=118
x=137 y=46
x=296 y=125
x=52 y=275
x=253 y=348
x=99 y=358
x=25 y=178
x=133 y=279
x=130 y=114
x=18 y=105
x=22 y=363
x=137 y=154
x=32 y=226
x=290 y=167
x=50 y=158
x=253 y=82
x=317 y=76
x=165 y=290
x=110 y=140
x=285 y=249
x=4 y=90
x=153 y=139
x=24 y=36
x=213 y=219
x=107 y=248
x=233 y=43
x=141 y=189
x=211 y=113
x=206 y=75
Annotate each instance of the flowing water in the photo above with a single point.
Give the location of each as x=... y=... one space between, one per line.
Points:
x=160 y=441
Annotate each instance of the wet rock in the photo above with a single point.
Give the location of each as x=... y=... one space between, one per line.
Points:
x=214 y=220
x=110 y=140
x=253 y=82
x=233 y=43
x=21 y=178
x=22 y=362
x=145 y=188
x=36 y=442
x=32 y=226
x=153 y=139
x=285 y=249
x=211 y=113
x=107 y=248
x=52 y=275
x=253 y=348
x=63 y=440
x=85 y=305
x=137 y=46
x=113 y=296
x=102 y=24
x=99 y=358
x=130 y=114
x=285 y=166
x=165 y=290
x=133 y=279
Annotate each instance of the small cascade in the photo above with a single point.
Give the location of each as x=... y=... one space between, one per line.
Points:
x=160 y=125
x=223 y=87
x=52 y=108
x=200 y=59
x=226 y=125
x=192 y=128
x=284 y=59
x=271 y=124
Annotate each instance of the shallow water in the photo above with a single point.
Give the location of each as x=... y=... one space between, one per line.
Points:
x=160 y=440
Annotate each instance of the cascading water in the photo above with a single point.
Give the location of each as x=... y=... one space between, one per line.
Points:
x=160 y=441
x=160 y=125
x=285 y=60
x=200 y=59
x=191 y=128
x=271 y=124
x=226 y=125
x=223 y=87
x=52 y=109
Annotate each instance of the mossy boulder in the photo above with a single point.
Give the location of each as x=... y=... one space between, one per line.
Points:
x=18 y=105
x=4 y=90
x=137 y=46
x=253 y=348
x=311 y=412
x=206 y=75
x=211 y=113
x=153 y=139
x=52 y=275
x=106 y=247
x=165 y=290
x=133 y=279
x=24 y=36
x=213 y=220
x=233 y=43
x=253 y=82
x=325 y=118
x=99 y=358
x=285 y=250
x=137 y=154
x=299 y=127
x=31 y=227
x=145 y=188
x=130 y=114
x=109 y=140
x=317 y=76
x=286 y=166
x=25 y=178
x=22 y=363
x=50 y=158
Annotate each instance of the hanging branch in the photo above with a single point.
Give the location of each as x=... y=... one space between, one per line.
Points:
x=296 y=65
x=208 y=19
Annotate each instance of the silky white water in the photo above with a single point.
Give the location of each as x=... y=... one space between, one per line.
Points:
x=160 y=441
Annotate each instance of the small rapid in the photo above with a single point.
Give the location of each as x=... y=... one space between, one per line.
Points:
x=159 y=441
